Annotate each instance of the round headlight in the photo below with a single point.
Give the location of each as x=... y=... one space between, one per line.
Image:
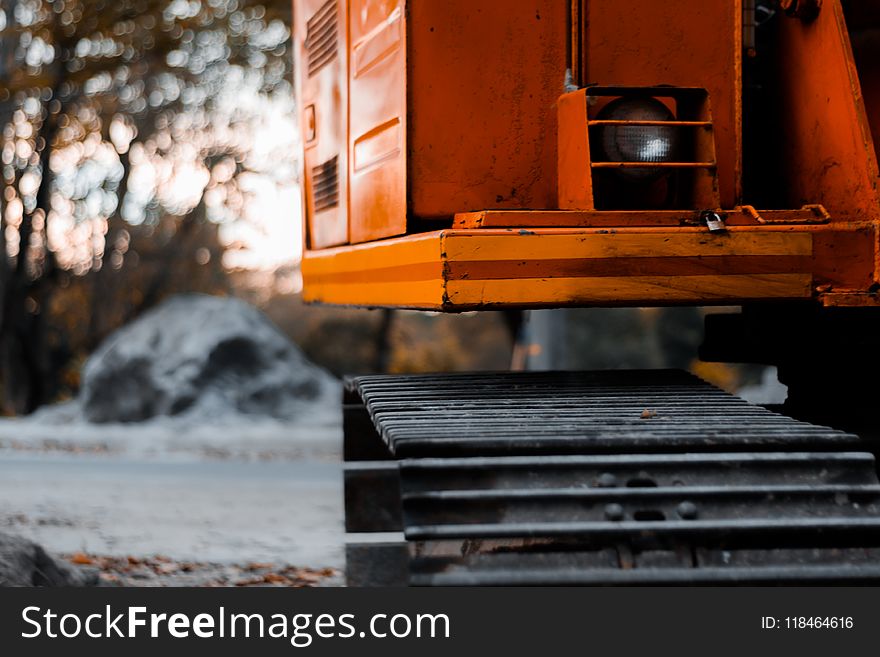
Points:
x=638 y=143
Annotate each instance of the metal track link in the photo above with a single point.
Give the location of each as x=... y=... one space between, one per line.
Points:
x=619 y=477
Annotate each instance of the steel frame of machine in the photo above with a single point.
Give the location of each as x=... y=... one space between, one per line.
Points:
x=465 y=269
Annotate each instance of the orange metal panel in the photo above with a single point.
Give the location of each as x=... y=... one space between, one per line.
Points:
x=561 y=243
x=483 y=82
x=352 y=260
x=827 y=151
x=320 y=37
x=628 y=290
x=743 y=216
x=458 y=270
x=845 y=259
x=863 y=23
x=624 y=266
x=377 y=119
x=685 y=43
x=401 y=272
x=575 y=181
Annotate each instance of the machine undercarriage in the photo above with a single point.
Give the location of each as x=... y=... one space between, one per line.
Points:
x=599 y=478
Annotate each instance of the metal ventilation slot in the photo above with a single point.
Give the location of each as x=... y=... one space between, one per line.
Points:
x=321 y=37
x=325 y=182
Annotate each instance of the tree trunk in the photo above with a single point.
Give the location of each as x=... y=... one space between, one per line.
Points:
x=24 y=358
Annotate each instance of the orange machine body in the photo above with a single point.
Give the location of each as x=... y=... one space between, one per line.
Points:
x=456 y=153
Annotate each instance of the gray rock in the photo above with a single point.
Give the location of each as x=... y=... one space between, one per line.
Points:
x=199 y=356
x=24 y=563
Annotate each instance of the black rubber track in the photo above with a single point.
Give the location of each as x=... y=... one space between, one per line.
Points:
x=612 y=478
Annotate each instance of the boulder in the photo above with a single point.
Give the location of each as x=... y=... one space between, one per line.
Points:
x=199 y=356
x=24 y=563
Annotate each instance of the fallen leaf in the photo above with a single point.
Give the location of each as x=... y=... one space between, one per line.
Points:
x=258 y=566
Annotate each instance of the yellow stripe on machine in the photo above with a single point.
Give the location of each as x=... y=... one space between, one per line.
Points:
x=468 y=269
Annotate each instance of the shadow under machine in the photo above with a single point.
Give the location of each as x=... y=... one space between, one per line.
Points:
x=483 y=155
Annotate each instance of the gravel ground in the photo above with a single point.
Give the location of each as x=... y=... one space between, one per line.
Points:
x=159 y=504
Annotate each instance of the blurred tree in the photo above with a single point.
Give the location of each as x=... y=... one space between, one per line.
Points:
x=117 y=114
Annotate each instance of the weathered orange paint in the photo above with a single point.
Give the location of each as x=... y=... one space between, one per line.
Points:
x=740 y=216
x=323 y=108
x=575 y=181
x=863 y=23
x=377 y=118
x=851 y=300
x=453 y=114
x=404 y=272
x=458 y=270
x=483 y=82
x=826 y=144
x=685 y=43
x=844 y=260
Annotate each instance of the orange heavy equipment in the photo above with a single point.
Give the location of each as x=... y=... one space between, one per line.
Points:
x=457 y=154
x=512 y=154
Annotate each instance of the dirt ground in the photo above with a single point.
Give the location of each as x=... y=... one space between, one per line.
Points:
x=160 y=570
